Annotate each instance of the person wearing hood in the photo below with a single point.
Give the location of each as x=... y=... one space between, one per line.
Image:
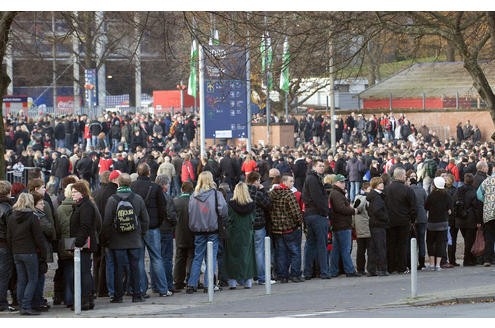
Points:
x=85 y=225
x=239 y=255
x=286 y=219
x=205 y=205
x=25 y=240
x=378 y=223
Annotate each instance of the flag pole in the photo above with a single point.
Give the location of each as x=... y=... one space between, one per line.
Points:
x=202 y=116
x=248 y=92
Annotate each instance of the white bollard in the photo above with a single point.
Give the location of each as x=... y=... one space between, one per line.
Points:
x=77 y=280
x=268 y=266
x=209 y=265
x=414 y=268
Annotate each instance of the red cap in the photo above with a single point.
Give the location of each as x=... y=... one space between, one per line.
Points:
x=114 y=175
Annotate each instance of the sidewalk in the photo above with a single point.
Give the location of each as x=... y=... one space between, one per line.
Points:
x=337 y=294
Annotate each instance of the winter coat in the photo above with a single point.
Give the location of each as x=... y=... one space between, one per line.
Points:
x=239 y=259
x=488 y=187
x=438 y=203
x=187 y=172
x=113 y=239
x=468 y=195
x=314 y=196
x=361 y=220
x=5 y=207
x=184 y=238
x=342 y=210
x=421 y=195
x=155 y=204
x=62 y=167
x=102 y=195
x=85 y=222
x=285 y=215
x=202 y=213
x=401 y=204
x=377 y=210
x=167 y=169
x=171 y=220
x=262 y=204
x=47 y=225
x=354 y=169
x=24 y=234
x=64 y=212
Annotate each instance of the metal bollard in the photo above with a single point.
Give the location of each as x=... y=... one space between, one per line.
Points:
x=209 y=265
x=414 y=268
x=268 y=266
x=77 y=280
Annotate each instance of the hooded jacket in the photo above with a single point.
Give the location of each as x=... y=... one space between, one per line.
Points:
x=85 y=222
x=64 y=212
x=202 y=213
x=377 y=210
x=342 y=210
x=24 y=235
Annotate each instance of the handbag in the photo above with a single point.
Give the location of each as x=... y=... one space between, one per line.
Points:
x=479 y=243
x=222 y=226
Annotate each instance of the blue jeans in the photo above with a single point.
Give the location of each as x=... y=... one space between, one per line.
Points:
x=6 y=266
x=316 y=244
x=354 y=189
x=288 y=254
x=115 y=144
x=123 y=257
x=152 y=244
x=421 y=235
x=110 y=271
x=259 y=249
x=200 y=242
x=38 y=293
x=167 y=241
x=27 y=278
x=94 y=141
x=56 y=184
x=341 y=247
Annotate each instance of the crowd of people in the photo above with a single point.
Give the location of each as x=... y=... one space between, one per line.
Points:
x=119 y=186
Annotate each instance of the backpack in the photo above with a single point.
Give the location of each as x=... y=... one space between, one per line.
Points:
x=459 y=207
x=125 y=219
x=431 y=168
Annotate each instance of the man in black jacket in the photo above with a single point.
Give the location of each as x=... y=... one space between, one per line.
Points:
x=316 y=221
x=157 y=211
x=6 y=261
x=401 y=206
x=167 y=231
x=125 y=246
x=262 y=204
x=228 y=169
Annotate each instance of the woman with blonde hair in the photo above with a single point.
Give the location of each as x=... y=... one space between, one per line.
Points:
x=25 y=240
x=239 y=257
x=205 y=206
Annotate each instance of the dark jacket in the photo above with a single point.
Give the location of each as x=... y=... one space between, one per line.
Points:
x=438 y=203
x=170 y=221
x=401 y=204
x=342 y=210
x=157 y=209
x=113 y=239
x=84 y=168
x=468 y=195
x=184 y=238
x=102 y=195
x=420 y=194
x=24 y=235
x=62 y=167
x=5 y=207
x=227 y=168
x=314 y=196
x=263 y=204
x=85 y=222
x=377 y=210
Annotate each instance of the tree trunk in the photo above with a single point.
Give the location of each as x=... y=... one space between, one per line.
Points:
x=6 y=19
x=482 y=86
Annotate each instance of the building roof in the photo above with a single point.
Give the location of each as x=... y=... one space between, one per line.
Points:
x=441 y=79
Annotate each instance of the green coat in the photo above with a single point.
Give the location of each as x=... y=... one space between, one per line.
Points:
x=239 y=258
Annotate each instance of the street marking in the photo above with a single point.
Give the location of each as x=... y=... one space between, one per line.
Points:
x=310 y=314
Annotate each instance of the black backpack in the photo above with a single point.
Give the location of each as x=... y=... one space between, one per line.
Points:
x=459 y=207
x=125 y=219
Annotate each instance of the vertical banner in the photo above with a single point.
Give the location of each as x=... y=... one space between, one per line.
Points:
x=90 y=87
x=225 y=92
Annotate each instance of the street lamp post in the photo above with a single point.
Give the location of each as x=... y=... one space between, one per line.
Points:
x=181 y=87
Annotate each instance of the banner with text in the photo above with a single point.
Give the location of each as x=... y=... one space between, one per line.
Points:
x=225 y=92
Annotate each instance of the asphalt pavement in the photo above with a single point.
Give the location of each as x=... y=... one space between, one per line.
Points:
x=306 y=299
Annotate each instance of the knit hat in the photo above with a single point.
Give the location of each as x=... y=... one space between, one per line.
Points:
x=114 y=175
x=439 y=182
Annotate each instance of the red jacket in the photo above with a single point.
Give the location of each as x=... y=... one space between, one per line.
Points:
x=454 y=170
x=187 y=172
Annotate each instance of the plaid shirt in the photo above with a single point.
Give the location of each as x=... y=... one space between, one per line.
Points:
x=286 y=214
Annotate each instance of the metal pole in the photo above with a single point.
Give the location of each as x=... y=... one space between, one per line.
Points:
x=333 y=136
x=414 y=268
x=457 y=100
x=137 y=64
x=77 y=280
x=75 y=61
x=209 y=260
x=268 y=266
x=202 y=116
x=181 y=97
x=424 y=101
x=286 y=107
x=54 y=65
x=248 y=92
x=390 y=102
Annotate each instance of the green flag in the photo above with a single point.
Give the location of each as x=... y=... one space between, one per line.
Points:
x=266 y=58
x=284 y=75
x=191 y=85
